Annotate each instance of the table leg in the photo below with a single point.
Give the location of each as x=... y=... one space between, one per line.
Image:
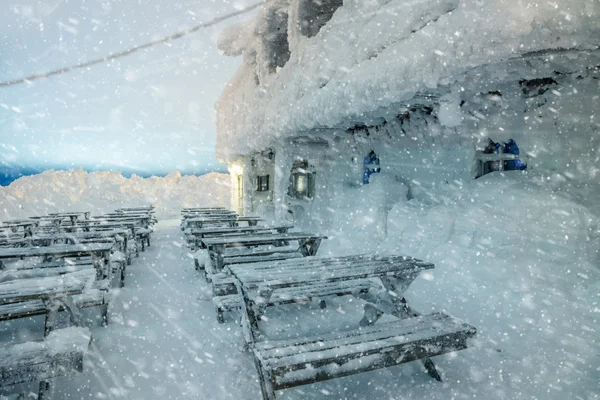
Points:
x=45 y=390
x=219 y=251
x=69 y=306
x=309 y=247
x=52 y=306
x=396 y=288
x=249 y=320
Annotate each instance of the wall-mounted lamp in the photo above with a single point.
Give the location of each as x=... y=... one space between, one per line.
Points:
x=253 y=162
x=271 y=155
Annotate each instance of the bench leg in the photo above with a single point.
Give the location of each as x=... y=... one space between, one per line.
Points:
x=266 y=386
x=51 y=316
x=44 y=392
x=220 y=318
x=122 y=283
x=431 y=370
x=370 y=316
x=104 y=315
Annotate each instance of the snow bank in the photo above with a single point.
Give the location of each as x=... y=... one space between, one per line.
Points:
x=516 y=255
x=59 y=191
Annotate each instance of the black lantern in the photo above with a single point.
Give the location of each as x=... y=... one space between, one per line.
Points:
x=271 y=155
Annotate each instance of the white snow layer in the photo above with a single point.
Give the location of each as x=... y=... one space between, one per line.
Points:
x=376 y=54
x=77 y=190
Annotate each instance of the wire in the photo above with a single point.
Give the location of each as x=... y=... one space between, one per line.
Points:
x=114 y=56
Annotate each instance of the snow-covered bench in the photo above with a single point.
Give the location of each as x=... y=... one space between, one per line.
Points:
x=289 y=363
x=89 y=298
x=226 y=301
x=59 y=354
x=93 y=296
x=194 y=236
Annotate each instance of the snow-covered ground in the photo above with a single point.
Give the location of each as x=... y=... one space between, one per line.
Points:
x=77 y=190
x=516 y=256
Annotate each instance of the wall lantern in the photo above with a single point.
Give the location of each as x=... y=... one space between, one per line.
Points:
x=271 y=155
x=253 y=162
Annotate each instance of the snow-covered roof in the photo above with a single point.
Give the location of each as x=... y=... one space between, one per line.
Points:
x=375 y=54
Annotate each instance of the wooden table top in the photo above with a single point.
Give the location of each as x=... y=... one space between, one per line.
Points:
x=304 y=271
x=48 y=287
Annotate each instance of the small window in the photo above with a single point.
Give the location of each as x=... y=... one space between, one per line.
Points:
x=262 y=183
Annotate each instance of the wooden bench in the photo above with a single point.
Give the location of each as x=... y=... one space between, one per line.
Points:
x=94 y=296
x=308 y=244
x=226 y=301
x=60 y=354
x=249 y=256
x=89 y=298
x=289 y=363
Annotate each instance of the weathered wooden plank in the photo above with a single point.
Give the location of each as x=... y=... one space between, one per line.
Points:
x=55 y=250
x=375 y=347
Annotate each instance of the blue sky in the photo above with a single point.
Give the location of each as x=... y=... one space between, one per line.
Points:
x=152 y=111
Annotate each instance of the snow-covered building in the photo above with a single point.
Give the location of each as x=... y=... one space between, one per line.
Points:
x=422 y=83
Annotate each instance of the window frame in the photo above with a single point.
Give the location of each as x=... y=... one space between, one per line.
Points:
x=262 y=183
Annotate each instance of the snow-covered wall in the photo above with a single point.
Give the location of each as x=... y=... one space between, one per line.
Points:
x=77 y=190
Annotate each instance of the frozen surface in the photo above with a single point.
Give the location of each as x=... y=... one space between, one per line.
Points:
x=537 y=317
x=60 y=191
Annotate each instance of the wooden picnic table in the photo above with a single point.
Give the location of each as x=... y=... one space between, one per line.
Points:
x=201 y=221
x=231 y=220
x=99 y=252
x=73 y=216
x=201 y=208
x=142 y=220
x=308 y=243
x=28 y=226
x=260 y=281
x=196 y=234
x=54 y=291
x=368 y=346
x=101 y=225
x=120 y=236
x=146 y=208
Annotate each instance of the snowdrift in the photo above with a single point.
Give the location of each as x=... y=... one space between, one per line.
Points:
x=517 y=255
x=56 y=191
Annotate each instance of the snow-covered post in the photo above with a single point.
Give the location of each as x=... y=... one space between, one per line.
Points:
x=283 y=166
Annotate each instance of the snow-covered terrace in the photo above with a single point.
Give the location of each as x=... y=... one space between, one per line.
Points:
x=376 y=58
